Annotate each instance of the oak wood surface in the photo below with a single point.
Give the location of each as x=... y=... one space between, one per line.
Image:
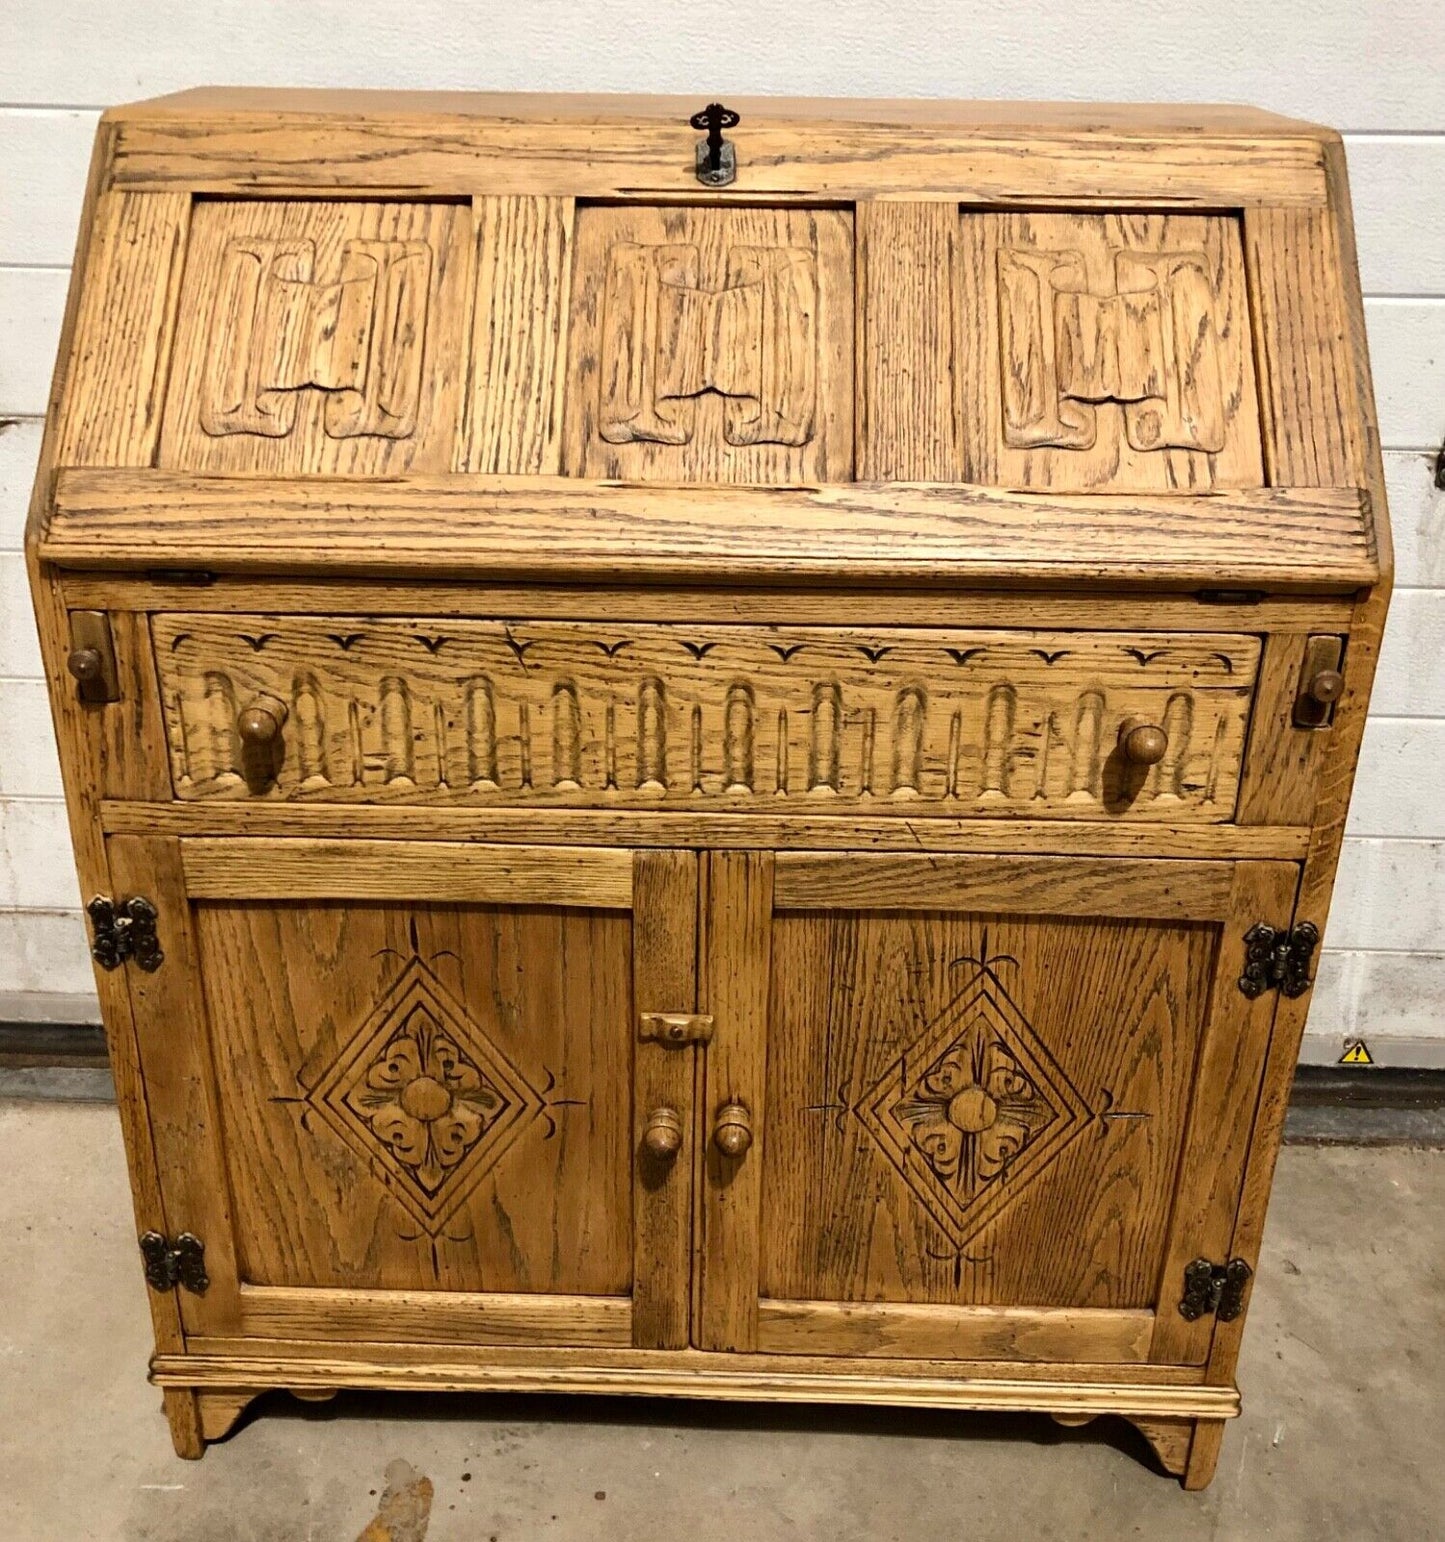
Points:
x=383 y=870
x=562 y=714
x=409 y=1100
x=567 y=530
x=753 y=831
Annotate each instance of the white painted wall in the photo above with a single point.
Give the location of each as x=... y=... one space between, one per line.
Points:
x=1369 y=67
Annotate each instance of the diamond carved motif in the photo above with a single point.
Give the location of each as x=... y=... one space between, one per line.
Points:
x=973 y=1110
x=423 y=1096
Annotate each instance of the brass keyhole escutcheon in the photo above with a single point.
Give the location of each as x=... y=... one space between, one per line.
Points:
x=662 y=1134
x=732 y=1134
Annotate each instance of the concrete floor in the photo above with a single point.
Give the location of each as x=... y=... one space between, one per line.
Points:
x=1343 y=1380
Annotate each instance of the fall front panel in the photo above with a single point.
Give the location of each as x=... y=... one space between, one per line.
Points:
x=424 y=1098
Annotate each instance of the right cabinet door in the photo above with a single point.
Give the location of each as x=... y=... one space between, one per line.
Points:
x=975 y=1107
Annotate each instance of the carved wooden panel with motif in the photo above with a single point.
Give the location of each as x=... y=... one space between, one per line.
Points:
x=320 y=337
x=711 y=345
x=424 y=1097
x=1108 y=352
x=909 y=720
x=976 y=1108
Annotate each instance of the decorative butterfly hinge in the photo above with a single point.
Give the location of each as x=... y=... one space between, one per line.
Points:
x=122 y=930
x=1217 y=1288
x=168 y=1265
x=1278 y=959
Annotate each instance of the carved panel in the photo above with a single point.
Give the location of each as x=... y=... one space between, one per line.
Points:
x=1110 y=352
x=319 y=337
x=973 y=1109
x=712 y=345
x=279 y=328
x=420 y=1090
x=981 y=722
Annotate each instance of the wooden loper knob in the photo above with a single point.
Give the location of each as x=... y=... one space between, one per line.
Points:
x=662 y=1134
x=733 y=1132
x=1326 y=686
x=1141 y=742
x=261 y=723
x=85 y=664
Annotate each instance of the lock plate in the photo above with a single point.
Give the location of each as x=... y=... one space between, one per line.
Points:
x=675 y=1028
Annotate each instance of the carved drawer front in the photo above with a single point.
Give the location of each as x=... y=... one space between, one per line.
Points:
x=1108 y=352
x=319 y=337
x=1044 y=724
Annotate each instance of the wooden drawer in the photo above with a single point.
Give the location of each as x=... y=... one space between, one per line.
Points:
x=969 y=722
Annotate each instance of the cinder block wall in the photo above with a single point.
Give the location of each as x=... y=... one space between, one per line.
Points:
x=1372 y=71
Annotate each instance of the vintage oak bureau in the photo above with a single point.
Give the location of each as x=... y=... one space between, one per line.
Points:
x=707 y=745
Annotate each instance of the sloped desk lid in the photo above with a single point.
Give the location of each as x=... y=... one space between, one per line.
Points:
x=516 y=336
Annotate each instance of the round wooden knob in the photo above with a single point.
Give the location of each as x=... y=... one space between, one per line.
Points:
x=733 y=1132
x=662 y=1134
x=85 y=664
x=262 y=721
x=1326 y=686
x=1141 y=742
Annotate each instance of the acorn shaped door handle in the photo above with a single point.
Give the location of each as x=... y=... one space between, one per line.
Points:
x=732 y=1134
x=662 y=1134
x=260 y=723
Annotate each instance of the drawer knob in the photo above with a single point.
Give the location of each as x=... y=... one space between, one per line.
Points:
x=261 y=723
x=1326 y=686
x=662 y=1134
x=1141 y=742
x=733 y=1132
x=86 y=664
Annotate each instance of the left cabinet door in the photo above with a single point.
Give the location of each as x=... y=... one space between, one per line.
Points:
x=397 y=1089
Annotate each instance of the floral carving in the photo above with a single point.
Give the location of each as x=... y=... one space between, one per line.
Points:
x=425 y=1097
x=426 y=1101
x=973 y=1110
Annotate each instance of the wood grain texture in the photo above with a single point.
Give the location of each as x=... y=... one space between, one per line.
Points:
x=512 y=396
x=711 y=345
x=664 y=969
x=318 y=338
x=180 y=1071
x=910 y=313
x=1307 y=392
x=736 y=832
x=435 y=1096
x=433 y=1317
x=975 y=1109
x=559 y=714
x=1172 y=891
x=733 y=985
x=600 y=148
x=569 y=530
x=1226 y=1091
x=121 y=345
x=1284 y=759
x=386 y=870
x=1108 y=353
x=757 y=1378
x=1114 y=610
x=945 y=1333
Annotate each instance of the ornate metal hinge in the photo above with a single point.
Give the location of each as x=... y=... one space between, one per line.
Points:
x=168 y=1265
x=124 y=930
x=717 y=158
x=1278 y=960
x=1217 y=1288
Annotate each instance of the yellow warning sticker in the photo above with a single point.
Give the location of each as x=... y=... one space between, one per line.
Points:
x=1357 y=1052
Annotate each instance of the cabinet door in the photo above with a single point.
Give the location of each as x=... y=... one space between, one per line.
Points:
x=392 y=1086
x=996 y=1104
